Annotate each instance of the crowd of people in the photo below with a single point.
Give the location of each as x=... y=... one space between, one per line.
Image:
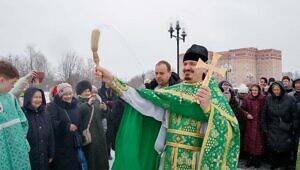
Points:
x=38 y=135
x=54 y=131
x=268 y=116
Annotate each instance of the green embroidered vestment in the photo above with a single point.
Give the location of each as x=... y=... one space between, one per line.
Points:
x=186 y=147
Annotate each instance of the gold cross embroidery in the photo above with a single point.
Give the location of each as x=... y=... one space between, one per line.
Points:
x=211 y=68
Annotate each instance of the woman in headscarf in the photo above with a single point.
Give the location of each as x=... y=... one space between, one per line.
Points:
x=279 y=123
x=253 y=136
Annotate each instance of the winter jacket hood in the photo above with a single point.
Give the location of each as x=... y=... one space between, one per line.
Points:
x=282 y=90
x=28 y=97
x=294 y=81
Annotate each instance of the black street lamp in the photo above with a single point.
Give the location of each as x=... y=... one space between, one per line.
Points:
x=178 y=37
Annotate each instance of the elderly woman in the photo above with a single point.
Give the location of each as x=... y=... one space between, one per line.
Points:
x=279 y=123
x=40 y=133
x=66 y=123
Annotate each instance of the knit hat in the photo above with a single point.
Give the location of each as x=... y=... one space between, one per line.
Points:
x=243 y=89
x=83 y=85
x=64 y=88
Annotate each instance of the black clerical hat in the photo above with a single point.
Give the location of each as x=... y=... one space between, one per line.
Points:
x=196 y=52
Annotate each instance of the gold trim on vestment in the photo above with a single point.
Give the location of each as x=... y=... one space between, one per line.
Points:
x=228 y=139
x=173 y=158
x=209 y=127
x=178 y=119
x=117 y=86
x=180 y=132
x=199 y=128
x=194 y=161
x=179 y=94
x=176 y=158
x=225 y=114
x=177 y=145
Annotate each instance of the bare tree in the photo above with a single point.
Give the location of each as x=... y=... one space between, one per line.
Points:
x=20 y=63
x=70 y=68
x=37 y=60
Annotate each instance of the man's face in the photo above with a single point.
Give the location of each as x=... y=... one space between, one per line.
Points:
x=262 y=83
x=162 y=75
x=286 y=82
x=297 y=85
x=191 y=73
x=6 y=84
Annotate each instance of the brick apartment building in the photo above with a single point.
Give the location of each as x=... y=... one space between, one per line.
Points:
x=248 y=65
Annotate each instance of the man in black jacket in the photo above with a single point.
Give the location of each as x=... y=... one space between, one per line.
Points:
x=163 y=76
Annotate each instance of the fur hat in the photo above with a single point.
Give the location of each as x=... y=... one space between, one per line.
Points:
x=83 y=85
x=64 y=88
x=196 y=52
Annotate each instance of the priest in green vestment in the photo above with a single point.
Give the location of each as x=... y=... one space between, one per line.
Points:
x=184 y=126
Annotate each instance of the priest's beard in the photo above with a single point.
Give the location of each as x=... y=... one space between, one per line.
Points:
x=188 y=75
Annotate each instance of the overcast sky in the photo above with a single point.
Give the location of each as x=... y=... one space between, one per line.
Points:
x=134 y=32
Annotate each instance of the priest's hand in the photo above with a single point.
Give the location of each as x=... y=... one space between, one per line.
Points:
x=203 y=96
x=103 y=74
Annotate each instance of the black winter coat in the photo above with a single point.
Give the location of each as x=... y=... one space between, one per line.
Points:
x=296 y=97
x=40 y=134
x=63 y=114
x=95 y=152
x=279 y=120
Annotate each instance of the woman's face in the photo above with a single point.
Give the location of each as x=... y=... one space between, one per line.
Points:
x=67 y=97
x=86 y=93
x=225 y=86
x=254 y=91
x=36 y=100
x=276 y=90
